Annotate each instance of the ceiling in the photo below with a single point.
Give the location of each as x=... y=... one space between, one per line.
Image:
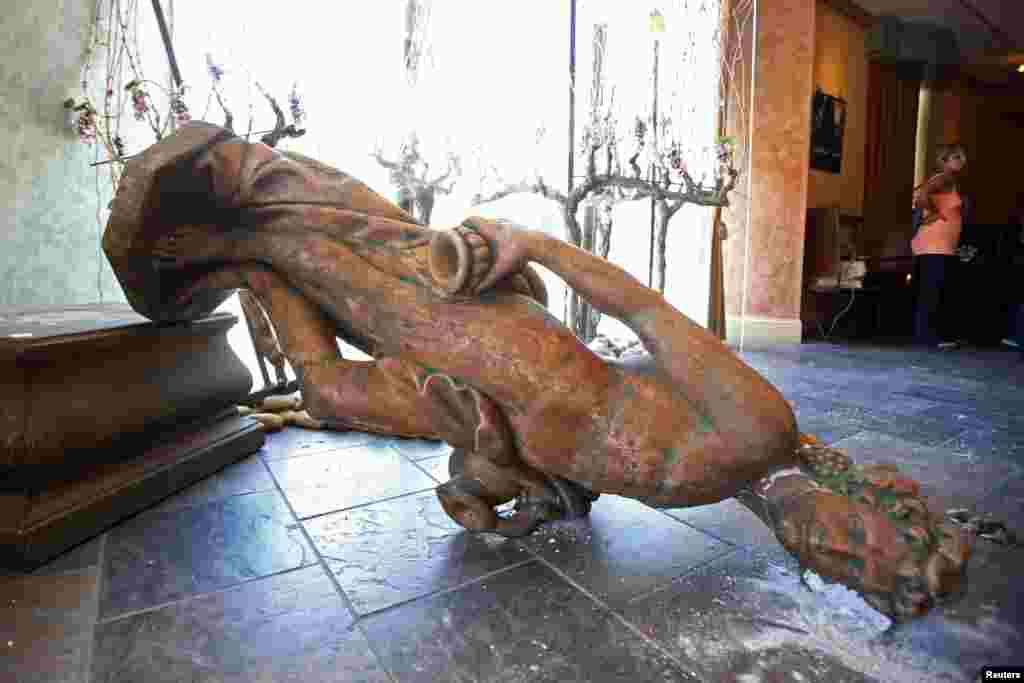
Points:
x=990 y=33
x=980 y=25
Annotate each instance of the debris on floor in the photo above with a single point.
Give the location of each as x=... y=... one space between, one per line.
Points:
x=984 y=527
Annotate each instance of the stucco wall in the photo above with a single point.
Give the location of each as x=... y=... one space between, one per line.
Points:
x=49 y=234
x=841 y=69
x=764 y=250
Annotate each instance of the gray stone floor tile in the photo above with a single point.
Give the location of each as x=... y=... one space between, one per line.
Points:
x=85 y=555
x=834 y=421
x=158 y=557
x=437 y=468
x=730 y=521
x=337 y=480
x=397 y=550
x=46 y=626
x=524 y=624
x=994 y=416
x=880 y=400
x=623 y=549
x=988 y=443
x=418 y=449
x=246 y=476
x=741 y=618
x=295 y=441
x=293 y=627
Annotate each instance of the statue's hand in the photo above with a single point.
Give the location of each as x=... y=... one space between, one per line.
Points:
x=474 y=256
x=508 y=248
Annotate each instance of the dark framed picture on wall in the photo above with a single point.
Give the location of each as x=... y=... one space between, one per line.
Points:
x=828 y=122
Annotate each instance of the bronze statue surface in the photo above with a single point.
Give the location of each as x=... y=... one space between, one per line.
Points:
x=464 y=350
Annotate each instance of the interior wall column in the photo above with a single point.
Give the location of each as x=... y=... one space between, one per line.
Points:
x=922 y=139
x=764 y=250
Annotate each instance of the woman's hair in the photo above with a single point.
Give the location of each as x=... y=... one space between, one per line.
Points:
x=944 y=152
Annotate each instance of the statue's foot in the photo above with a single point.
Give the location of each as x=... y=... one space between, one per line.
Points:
x=468 y=502
x=189 y=245
x=573 y=501
x=867 y=528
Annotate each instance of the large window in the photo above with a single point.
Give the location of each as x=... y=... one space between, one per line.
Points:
x=493 y=78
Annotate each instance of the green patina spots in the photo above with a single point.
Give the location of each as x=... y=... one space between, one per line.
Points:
x=898 y=515
x=921 y=547
x=426 y=372
x=705 y=425
x=628 y=391
x=671 y=456
x=642 y=317
x=897 y=506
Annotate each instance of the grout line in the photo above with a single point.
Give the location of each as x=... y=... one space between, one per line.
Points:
x=331 y=577
x=90 y=651
x=445 y=591
x=734 y=550
x=359 y=506
x=195 y=596
x=950 y=439
x=633 y=628
x=309 y=540
x=713 y=535
x=201 y=503
x=416 y=463
x=318 y=451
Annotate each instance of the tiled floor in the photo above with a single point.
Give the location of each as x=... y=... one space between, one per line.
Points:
x=326 y=557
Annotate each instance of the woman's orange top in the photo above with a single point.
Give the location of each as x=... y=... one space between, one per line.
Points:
x=941 y=236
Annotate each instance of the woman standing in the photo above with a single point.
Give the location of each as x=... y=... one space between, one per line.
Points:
x=934 y=248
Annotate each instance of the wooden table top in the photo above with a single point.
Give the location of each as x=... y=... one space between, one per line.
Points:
x=24 y=327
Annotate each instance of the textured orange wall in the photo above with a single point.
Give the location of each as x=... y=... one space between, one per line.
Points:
x=783 y=84
x=841 y=69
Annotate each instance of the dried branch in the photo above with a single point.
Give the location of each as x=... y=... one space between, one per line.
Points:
x=404 y=176
x=539 y=188
x=379 y=158
x=281 y=129
x=454 y=169
x=229 y=119
x=691 y=194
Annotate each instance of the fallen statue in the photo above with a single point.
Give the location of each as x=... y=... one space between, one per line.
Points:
x=465 y=351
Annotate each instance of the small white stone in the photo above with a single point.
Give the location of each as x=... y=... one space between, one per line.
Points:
x=813 y=581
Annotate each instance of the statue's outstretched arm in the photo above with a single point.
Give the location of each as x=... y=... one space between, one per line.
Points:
x=713 y=379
